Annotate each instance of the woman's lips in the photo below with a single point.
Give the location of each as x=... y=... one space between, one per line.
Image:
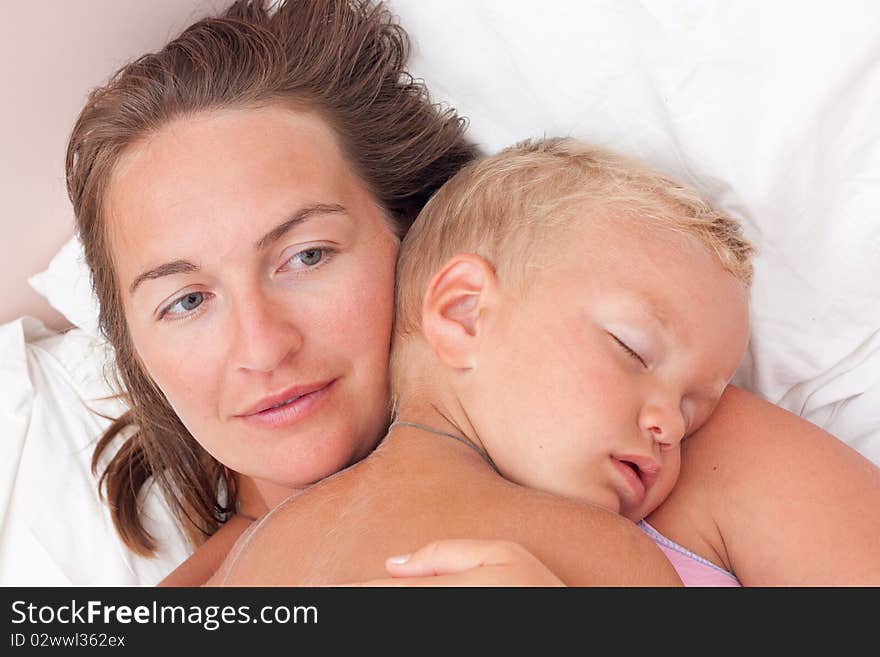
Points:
x=283 y=396
x=289 y=414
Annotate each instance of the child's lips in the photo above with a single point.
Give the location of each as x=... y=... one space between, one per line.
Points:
x=640 y=471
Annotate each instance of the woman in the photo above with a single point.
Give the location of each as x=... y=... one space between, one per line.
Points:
x=240 y=195
x=298 y=137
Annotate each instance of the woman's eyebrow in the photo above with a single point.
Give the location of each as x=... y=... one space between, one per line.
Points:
x=165 y=269
x=301 y=215
x=184 y=266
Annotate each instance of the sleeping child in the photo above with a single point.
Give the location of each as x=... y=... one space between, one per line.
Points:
x=762 y=498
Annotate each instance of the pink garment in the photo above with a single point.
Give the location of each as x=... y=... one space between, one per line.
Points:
x=693 y=569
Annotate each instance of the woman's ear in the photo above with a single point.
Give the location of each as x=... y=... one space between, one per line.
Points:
x=454 y=308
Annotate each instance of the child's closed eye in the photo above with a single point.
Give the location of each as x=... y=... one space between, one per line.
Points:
x=632 y=352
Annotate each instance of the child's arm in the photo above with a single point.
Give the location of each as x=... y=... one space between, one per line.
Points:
x=202 y=564
x=778 y=500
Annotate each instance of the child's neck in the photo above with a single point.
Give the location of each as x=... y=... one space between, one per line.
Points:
x=436 y=433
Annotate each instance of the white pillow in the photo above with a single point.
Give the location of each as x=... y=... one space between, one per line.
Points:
x=67 y=285
x=54 y=528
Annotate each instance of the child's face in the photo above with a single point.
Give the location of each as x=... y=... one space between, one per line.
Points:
x=621 y=347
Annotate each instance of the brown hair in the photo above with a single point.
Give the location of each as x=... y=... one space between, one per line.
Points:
x=342 y=59
x=504 y=206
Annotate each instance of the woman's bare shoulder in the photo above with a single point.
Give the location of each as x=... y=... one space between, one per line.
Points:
x=203 y=563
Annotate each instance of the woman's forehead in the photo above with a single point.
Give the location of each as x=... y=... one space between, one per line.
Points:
x=228 y=172
x=231 y=151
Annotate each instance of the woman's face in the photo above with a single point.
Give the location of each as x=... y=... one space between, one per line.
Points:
x=256 y=269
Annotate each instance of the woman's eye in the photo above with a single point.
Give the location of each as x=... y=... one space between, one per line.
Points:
x=632 y=352
x=187 y=304
x=309 y=257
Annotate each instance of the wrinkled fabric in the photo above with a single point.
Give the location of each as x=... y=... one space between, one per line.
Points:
x=54 y=528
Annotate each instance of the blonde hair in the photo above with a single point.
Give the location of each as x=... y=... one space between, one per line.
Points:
x=505 y=206
x=344 y=60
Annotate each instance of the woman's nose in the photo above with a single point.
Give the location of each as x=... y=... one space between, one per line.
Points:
x=263 y=336
x=663 y=421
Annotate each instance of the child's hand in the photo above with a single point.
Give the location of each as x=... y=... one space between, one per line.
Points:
x=462 y=562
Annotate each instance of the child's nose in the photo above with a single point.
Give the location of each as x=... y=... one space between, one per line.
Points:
x=664 y=422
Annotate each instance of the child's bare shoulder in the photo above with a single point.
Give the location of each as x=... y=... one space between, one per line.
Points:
x=720 y=464
x=582 y=544
x=745 y=438
x=753 y=465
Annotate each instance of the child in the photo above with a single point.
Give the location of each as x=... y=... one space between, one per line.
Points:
x=761 y=493
x=564 y=318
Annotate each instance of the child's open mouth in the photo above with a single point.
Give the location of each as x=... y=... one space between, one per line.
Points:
x=640 y=472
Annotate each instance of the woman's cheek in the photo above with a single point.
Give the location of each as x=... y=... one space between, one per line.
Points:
x=368 y=325
x=184 y=371
x=370 y=302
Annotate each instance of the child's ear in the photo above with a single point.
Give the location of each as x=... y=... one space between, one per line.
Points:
x=454 y=306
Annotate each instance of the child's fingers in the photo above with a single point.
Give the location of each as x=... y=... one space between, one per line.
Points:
x=512 y=575
x=420 y=582
x=454 y=556
x=374 y=583
x=466 y=562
